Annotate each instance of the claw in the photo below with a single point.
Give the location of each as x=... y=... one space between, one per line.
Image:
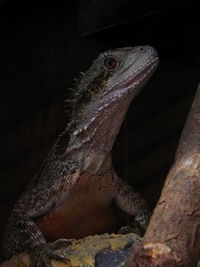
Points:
x=40 y=256
x=59 y=243
x=46 y=261
x=129 y=229
x=57 y=256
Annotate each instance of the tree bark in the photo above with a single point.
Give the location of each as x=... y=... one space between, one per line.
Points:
x=173 y=235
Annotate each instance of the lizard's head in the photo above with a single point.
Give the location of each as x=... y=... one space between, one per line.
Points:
x=104 y=94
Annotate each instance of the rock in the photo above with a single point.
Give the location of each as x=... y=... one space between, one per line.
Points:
x=99 y=250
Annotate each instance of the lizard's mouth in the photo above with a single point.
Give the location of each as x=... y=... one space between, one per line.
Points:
x=133 y=83
x=141 y=75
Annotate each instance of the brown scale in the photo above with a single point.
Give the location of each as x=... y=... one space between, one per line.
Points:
x=76 y=217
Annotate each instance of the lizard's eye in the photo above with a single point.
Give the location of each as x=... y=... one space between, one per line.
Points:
x=110 y=63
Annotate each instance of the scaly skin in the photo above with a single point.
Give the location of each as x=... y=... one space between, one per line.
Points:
x=72 y=195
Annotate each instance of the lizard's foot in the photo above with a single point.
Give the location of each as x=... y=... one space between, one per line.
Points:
x=141 y=220
x=140 y=223
x=129 y=229
x=59 y=243
x=40 y=255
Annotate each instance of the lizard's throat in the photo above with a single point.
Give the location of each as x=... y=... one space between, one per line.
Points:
x=92 y=148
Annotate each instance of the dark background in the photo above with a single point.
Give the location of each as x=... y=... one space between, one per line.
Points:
x=43 y=47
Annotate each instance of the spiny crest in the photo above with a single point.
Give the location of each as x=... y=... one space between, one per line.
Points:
x=72 y=96
x=86 y=86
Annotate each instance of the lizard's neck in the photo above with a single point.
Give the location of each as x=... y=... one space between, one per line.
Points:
x=83 y=154
x=90 y=145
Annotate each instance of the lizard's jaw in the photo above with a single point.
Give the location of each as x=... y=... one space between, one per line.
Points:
x=131 y=85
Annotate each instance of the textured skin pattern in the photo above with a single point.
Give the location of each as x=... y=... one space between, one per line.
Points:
x=72 y=195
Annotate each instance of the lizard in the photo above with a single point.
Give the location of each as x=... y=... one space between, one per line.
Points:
x=72 y=194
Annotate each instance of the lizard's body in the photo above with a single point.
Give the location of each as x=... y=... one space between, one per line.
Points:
x=72 y=195
x=77 y=210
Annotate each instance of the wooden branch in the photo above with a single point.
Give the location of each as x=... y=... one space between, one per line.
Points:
x=173 y=235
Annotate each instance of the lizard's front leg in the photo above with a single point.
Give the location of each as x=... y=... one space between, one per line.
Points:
x=133 y=204
x=22 y=233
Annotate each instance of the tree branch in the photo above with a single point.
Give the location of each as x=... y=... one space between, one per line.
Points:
x=173 y=235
